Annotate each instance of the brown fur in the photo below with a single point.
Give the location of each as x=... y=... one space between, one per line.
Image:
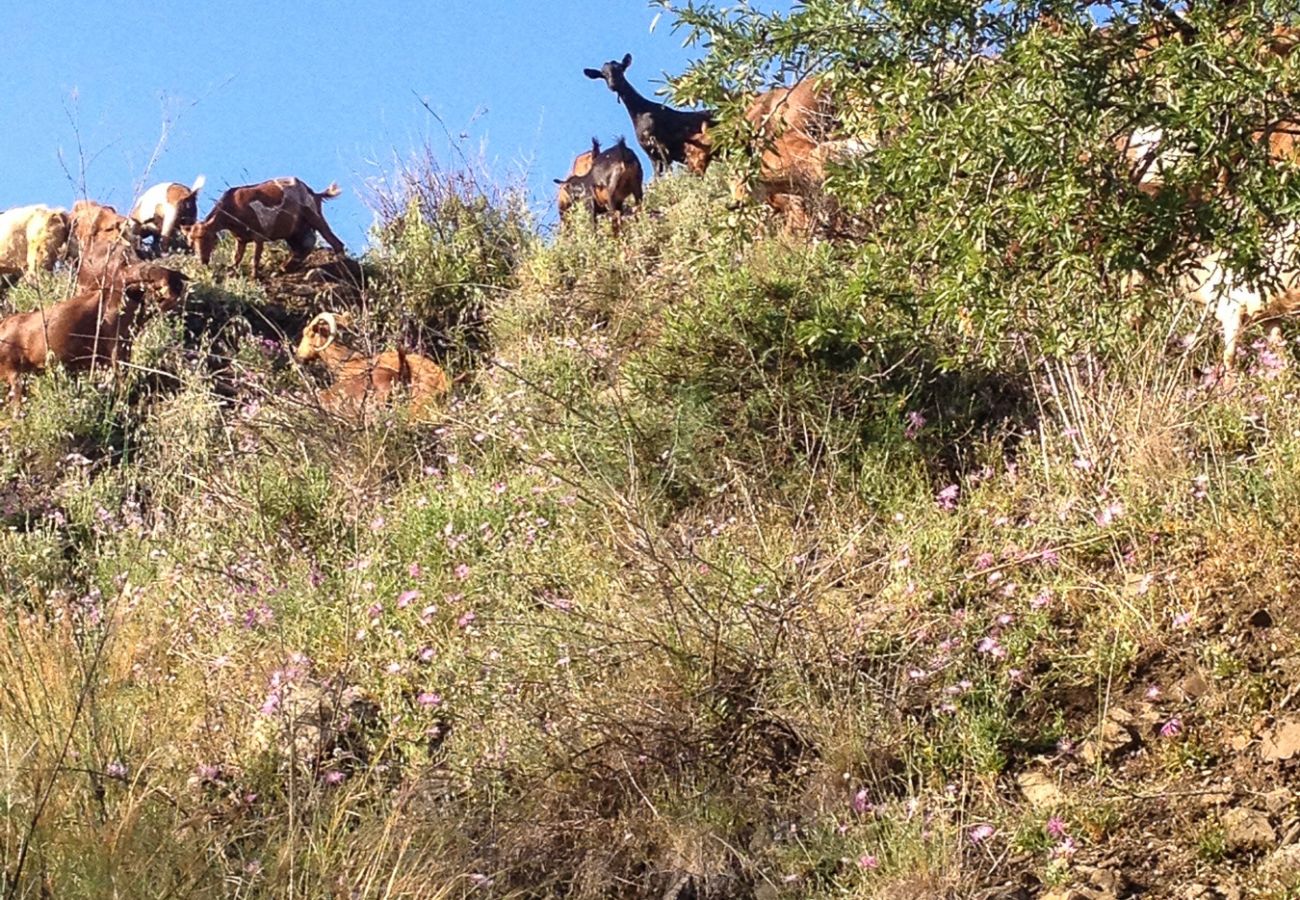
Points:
x=283 y=209
x=789 y=125
x=92 y=224
x=362 y=381
x=581 y=166
x=90 y=328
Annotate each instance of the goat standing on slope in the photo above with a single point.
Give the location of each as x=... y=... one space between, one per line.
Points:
x=614 y=177
x=93 y=327
x=667 y=135
x=283 y=209
x=165 y=209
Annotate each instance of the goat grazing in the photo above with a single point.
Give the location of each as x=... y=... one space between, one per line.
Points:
x=283 y=209
x=667 y=135
x=165 y=209
x=31 y=238
x=1213 y=284
x=615 y=175
x=361 y=381
x=581 y=166
x=92 y=327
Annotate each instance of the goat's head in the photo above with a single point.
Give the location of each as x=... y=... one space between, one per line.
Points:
x=319 y=334
x=203 y=238
x=166 y=285
x=611 y=72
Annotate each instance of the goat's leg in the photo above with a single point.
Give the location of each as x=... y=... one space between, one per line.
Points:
x=15 y=393
x=168 y=229
x=240 y=245
x=257 y=258
x=318 y=222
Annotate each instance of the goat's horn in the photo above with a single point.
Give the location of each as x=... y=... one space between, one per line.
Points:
x=328 y=319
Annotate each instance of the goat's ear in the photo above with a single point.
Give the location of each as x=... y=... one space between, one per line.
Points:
x=593 y=73
x=561 y=180
x=627 y=60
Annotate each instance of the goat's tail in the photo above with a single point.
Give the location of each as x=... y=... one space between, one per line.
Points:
x=332 y=191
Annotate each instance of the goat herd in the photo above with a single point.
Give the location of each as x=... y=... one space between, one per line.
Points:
x=118 y=283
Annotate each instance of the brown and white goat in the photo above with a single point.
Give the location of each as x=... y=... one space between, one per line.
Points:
x=614 y=178
x=31 y=238
x=165 y=209
x=92 y=327
x=1236 y=302
x=283 y=209
x=362 y=381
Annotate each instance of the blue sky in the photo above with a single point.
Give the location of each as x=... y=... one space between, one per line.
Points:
x=323 y=91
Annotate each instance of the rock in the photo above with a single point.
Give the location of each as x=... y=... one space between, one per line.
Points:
x=1239 y=742
x=1193 y=687
x=1283 y=742
x=1282 y=863
x=1247 y=830
x=1276 y=802
x=1115 y=736
x=1040 y=790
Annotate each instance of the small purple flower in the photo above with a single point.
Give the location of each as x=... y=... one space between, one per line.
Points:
x=1056 y=827
x=984 y=560
x=1153 y=692
x=1066 y=849
x=461 y=572
x=867 y=862
x=915 y=422
x=947 y=497
x=426 y=654
x=1172 y=728
x=413 y=570
x=980 y=833
x=334 y=776
x=466 y=619
x=428 y=699
x=405 y=598
x=1109 y=513
x=1041 y=599
x=860 y=804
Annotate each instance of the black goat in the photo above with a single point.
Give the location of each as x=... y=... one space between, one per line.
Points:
x=667 y=135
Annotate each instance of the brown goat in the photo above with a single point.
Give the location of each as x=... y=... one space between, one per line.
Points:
x=361 y=381
x=581 y=166
x=283 y=209
x=93 y=327
x=614 y=178
x=94 y=227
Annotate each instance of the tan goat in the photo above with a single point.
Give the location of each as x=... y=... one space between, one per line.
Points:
x=361 y=381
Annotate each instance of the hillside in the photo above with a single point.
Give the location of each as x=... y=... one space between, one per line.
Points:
x=709 y=584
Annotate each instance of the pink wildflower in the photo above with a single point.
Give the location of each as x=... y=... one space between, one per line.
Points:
x=980 y=833
x=375 y=611
x=428 y=613
x=984 y=560
x=1153 y=693
x=867 y=862
x=428 y=700
x=413 y=570
x=915 y=422
x=1172 y=728
x=1041 y=599
x=334 y=776
x=1056 y=827
x=405 y=598
x=466 y=619
x=860 y=804
x=461 y=572
x=426 y=654
x=1109 y=513
x=947 y=497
